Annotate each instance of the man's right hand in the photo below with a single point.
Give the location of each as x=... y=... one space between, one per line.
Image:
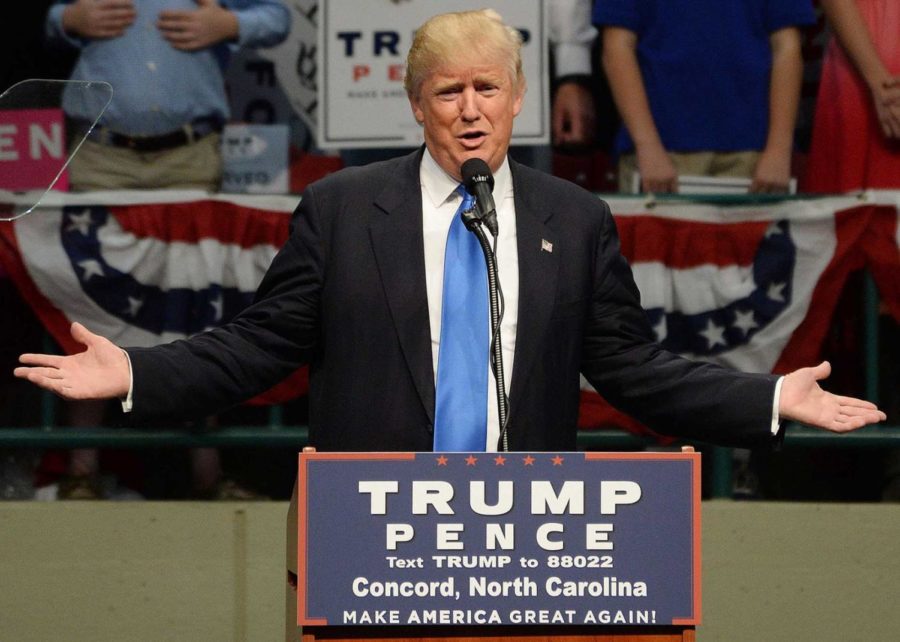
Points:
x=98 y=19
x=100 y=372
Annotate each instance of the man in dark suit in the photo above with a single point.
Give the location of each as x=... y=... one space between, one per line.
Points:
x=356 y=294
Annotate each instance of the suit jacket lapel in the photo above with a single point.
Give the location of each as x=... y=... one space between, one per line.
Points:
x=538 y=268
x=396 y=235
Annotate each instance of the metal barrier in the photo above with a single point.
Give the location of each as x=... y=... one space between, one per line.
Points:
x=295 y=437
x=277 y=435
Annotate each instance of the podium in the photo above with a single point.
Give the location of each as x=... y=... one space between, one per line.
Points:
x=619 y=498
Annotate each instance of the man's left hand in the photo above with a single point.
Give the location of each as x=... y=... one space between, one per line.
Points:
x=803 y=400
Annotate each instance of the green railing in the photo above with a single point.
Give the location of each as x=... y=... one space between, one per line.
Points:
x=277 y=435
x=295 y=437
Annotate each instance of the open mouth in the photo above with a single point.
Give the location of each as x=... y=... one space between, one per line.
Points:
x=472 y=138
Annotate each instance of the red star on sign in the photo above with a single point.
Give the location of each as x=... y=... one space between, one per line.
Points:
x=441 y=461
x=500 y=460
x=557 y=461
x=529 y=460
x=470 y=460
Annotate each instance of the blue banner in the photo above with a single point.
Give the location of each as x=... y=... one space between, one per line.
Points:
x=499 y=538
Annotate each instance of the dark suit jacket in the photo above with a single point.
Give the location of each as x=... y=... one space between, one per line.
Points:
x=347 y=295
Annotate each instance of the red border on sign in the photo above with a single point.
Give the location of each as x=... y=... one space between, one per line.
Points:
x=303 y=619
x=693 y=457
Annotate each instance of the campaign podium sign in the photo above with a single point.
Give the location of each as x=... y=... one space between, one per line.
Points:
x=472 y=539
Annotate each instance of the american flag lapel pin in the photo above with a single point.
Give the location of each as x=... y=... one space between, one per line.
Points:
x=546 y=246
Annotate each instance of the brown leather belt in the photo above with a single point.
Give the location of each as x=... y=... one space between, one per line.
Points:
x=190 y=133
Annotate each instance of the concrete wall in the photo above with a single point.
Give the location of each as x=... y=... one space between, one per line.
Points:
x=113 y=571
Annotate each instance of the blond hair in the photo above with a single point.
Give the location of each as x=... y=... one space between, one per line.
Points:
x=463 y=38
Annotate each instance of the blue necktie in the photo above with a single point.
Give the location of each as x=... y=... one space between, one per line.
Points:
x=460 y=416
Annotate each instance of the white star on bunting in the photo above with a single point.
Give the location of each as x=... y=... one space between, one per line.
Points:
x=81 y=222
x=775 y=292
x=745 y=321
x=714 y=335
x=91 y=268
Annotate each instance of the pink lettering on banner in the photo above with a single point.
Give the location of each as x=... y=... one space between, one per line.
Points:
x=32 y=149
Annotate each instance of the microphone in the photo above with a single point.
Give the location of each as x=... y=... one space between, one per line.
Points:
x=479 y=182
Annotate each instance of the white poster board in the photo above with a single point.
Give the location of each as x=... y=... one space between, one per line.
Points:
x=362 y=57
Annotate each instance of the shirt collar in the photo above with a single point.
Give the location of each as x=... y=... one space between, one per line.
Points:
x=439 y=186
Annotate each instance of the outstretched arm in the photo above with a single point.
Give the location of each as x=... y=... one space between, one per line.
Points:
x=100 y=372
x=803 y=400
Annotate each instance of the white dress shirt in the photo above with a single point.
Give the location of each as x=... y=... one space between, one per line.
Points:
x=439 y=203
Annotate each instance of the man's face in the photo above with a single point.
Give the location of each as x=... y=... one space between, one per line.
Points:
x=468 y=113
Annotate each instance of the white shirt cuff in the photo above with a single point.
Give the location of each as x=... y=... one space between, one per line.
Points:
x=572 y=58
x=571 y=35
x=127 y=401
x=776 y=420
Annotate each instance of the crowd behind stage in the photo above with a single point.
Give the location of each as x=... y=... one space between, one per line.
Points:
x=825 y=110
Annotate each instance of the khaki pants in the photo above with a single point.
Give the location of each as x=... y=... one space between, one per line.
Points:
x=731 y=164
x=197 y=165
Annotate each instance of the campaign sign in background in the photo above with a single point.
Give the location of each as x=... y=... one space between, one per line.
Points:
x=402 y=538
x=361 y=58
x=32 y=149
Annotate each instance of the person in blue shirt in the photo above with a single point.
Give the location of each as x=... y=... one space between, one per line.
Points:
x=165 y=62
x=704 y=87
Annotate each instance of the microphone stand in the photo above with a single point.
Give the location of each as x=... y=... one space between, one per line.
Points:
x=475 y=225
